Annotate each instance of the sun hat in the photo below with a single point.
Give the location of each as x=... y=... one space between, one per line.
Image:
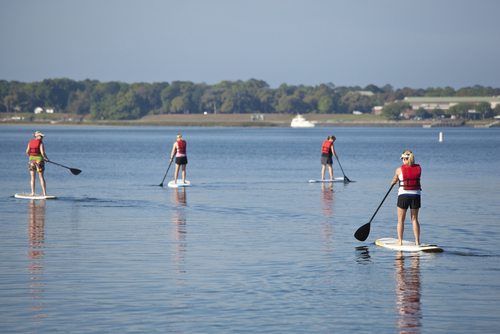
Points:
x=38 y=133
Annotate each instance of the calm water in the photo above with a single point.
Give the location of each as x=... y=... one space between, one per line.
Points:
x=251 y=247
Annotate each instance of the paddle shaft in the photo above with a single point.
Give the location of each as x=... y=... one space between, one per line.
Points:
x=392 y=185
x=345 y=177
x=73 y=170
x=161 y=184
x=363 y=232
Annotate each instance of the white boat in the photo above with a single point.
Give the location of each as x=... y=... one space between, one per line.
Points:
x=300 y=122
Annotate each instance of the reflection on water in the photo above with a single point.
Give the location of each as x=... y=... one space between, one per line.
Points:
x=408 y=294
x=327 y=212
x=36 y=224
x=179 y=229
x=179 y=234
x=363 y=255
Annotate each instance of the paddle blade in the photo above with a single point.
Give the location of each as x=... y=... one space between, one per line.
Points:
x=75 y=171
x=363 y=232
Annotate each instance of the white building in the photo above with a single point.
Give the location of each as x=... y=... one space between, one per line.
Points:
x=444 y=103
x=48 y=110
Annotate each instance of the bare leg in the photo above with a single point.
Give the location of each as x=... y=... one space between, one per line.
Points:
x=176 y=172
x=33 y=178
x=42 y=182
x=323 y=169
x=416 y=225
x=401 y=225
x=330 y=169
x=183 y=173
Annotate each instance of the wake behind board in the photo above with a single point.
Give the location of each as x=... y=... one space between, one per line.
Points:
x=179 y=184
x=407 y=246
x=337 y=179
x=36 y=196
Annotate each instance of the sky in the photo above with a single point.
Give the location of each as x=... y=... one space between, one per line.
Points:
x=416 y=44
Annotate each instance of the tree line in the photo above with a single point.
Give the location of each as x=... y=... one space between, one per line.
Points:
x=121 y=101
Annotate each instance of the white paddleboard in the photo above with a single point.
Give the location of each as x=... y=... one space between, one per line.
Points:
x=337 y=179
x=179 y=184
x=407 y=246
x=36 y=196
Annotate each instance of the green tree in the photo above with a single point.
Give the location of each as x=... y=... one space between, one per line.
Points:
x=266 y=97
x=326 y=105
x=79 y=102
x=461 y=109
x=421 y=112
x=393 y=110
x=291 y=104
x=310 y=102
x=437 y=112
x=496 y=110
x=484 y=108
x=374 y=89
x=180 y=104
x=212 y=99
x=355 y=101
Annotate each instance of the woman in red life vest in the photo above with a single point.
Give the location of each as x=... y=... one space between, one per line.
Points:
x=179 y=151
x=36 y=152
x=327 y=150
x=408 y=177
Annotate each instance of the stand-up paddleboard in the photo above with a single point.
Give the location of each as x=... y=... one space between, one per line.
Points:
x=407 y=246
x=337 y=179
x=179 y=184
x=36 y=196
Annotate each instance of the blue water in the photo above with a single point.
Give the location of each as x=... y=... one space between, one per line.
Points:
x=252 y=246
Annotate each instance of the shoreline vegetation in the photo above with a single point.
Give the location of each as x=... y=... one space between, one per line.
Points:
x=232 y=103
x=239 y=120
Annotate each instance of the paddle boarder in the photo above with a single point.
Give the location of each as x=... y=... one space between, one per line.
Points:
x=36 y=152
x=327 y=150
x=408 y=177
x=179 y=152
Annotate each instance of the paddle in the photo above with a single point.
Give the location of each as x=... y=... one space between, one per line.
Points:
x=346 y=179
x=73 y=170
x=362 y=232
x=161 y=184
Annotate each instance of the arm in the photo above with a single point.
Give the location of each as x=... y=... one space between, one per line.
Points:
x=174 y=151
x=28 y=150
x=396 y=176
x=333 y=151
x=42 y=151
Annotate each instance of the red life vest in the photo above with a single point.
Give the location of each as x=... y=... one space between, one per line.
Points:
x=411 y=177
x=326 y=148
x=35 y=147
x=181 y=148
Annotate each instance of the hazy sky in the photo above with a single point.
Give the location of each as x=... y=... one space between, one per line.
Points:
x=417 y=44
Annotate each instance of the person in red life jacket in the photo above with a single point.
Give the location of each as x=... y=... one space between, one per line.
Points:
x=327 y=150
x=36 y=152
x=408 y=177
x=179 y=152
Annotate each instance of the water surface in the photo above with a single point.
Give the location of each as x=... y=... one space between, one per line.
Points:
x=251 y=246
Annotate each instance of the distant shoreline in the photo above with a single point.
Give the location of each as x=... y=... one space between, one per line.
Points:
x=241 y=120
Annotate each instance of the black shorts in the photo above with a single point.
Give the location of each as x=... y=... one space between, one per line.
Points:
x=181 y=161
x=326 y=159
x=412 y=201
